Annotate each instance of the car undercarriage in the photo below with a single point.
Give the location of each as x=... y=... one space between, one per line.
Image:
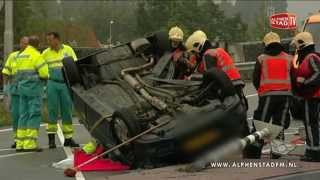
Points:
x=121 y=92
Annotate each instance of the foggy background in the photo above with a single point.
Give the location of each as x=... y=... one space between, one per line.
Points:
x=96 y=23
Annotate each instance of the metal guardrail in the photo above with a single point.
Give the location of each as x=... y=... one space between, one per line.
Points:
x=246 y=66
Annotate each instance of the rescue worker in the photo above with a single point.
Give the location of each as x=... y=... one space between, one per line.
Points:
x=11 y=85
x=307 y=85
x=194 y=60
x=31 y=71
x=178 y=50
x=59 y=100
x=212 y=57
x=272 y=80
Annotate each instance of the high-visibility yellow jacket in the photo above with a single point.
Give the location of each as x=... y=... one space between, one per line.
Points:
x=30 y=69
x=54 y=60
x=9 y=68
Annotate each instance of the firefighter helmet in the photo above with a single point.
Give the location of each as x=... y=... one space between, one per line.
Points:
x=271 y=37
x=176 y=34
x=195 y=42
x=201 y=33
x=302 y=40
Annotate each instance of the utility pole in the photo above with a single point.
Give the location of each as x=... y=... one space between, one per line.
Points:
x=8 y=28
x=110 y=32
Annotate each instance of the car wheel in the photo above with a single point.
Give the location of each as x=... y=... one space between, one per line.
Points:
x=124 y=125
x=71 y=72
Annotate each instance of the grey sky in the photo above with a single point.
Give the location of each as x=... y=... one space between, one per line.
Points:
x=302 y=8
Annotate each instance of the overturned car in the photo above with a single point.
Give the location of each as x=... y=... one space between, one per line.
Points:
x=124 y=91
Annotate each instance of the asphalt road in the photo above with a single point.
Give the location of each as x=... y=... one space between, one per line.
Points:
x=37 y=166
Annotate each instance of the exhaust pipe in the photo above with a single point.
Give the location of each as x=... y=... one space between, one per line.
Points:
x=125 y=73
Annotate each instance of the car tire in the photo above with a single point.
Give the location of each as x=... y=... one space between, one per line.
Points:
x=126 y=117
x=140 y=46
x=71 y=71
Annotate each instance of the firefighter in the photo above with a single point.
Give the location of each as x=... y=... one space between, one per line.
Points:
x=194 y=60
x=31 y=71
x=179 y=54
x=272 y=80
x=59 y=100
x=307 y=85
x=11 y=85
x=212 y=57
x=209 y=57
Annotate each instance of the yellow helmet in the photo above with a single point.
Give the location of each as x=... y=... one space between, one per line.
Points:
x=195 y=42
x=303 y=39
x=271 y=37
x=201 y=33
x=176 y=33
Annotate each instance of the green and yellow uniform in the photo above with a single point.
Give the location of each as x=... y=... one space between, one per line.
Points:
x=59 y=100
x=12 y=88
x=31 y=68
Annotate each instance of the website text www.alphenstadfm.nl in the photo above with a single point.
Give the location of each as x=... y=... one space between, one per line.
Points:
x=253 y=164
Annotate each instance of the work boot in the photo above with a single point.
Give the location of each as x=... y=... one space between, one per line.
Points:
x=70 y=143
x=253 y=151
x=52 y=141
x=14 y=145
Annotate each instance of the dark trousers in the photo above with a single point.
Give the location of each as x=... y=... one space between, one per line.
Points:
x=275 y=108
x=311 y=123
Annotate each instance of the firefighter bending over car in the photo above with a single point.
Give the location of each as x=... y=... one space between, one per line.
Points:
x=208 y=57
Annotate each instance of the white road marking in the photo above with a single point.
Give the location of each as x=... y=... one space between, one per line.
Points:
x=6 y=130
x=15 y=154
x=67 y=150
x=251 y=95
x=6 y=149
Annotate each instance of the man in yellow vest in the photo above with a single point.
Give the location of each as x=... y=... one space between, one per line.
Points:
x=59 y=100
x=31 y=72
x=11 y=85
